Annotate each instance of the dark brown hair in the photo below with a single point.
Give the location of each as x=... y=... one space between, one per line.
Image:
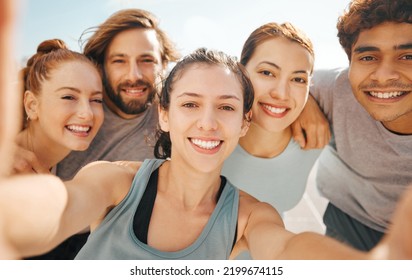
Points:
x=366 y=14
x=163 y=145
x=274 y=30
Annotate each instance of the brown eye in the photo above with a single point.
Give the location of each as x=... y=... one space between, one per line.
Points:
x=190 y=105
x=68 y=97
x=300 y=80
x=227 y=108
x=266 y=73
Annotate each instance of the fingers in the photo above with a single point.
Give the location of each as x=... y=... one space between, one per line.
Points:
x=397 y=242
x=311 y=129
x=317 y=135
x=26 y=161
x=298 y=134
x=312 y=135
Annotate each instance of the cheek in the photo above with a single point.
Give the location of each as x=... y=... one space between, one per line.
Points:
x=152 y=76
x=112 y=75
x=98 y=114
x=58 y=111
x=236 y=124
x=301 y=99
x=355 y=75
x=260 y=88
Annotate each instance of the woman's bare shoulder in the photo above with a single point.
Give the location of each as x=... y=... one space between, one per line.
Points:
x=252 y=210
x=109 y=168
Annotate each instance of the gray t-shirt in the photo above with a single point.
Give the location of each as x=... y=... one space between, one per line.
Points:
x=366 y=168
x=117 y=139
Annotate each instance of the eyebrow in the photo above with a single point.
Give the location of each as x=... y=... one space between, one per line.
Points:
x=406 y=46
x=125 y=55
x=363 y=49
x=77 y=90
x=279 y=68
x=117 y=55
x=69 y=88
x=192 y=94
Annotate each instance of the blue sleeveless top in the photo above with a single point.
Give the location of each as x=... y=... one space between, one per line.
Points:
x=114 y=238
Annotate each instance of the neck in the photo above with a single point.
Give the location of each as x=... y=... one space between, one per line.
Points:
x=401 y=126
x=192 y=189
x=116 y=110
x=265 y=144
x=48 y=154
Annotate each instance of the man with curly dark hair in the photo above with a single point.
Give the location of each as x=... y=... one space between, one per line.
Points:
x=367 y=165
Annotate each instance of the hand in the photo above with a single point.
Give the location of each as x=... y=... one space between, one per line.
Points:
x=397 y=243
x=26 y=161
x=311 y=129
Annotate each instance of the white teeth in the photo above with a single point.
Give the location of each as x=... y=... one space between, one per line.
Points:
x=205 y=144
x=134 y=91
x=274 y=109
x=78 y=128
x=386 y=95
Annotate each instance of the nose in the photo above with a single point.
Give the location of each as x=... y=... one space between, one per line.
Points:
x=134 y=72
x=207 y=119
x=384 y=72
x=280 y=89
x=84 y=111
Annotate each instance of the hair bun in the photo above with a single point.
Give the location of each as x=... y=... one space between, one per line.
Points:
x=51 y=45
x=46 y=47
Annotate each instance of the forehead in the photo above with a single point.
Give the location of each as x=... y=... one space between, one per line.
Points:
x=386 y=36
x=75 y=73
x=135 y=42
x=208 y=80
x=73 y=67
x=283 y=51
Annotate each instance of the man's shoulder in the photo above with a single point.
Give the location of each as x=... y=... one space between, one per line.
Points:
x=334 y=74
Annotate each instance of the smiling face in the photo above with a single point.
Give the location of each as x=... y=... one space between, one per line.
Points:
x=381 y=74
x=205 y=118
x=132 y=69
x=67 y=112
x=280 y=73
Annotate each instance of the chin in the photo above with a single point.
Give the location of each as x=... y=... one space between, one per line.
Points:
x=80 y=147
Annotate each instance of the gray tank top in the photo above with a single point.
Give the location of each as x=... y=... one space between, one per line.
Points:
x=115 y=238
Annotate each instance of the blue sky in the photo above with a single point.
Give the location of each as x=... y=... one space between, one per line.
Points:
x=220 y=24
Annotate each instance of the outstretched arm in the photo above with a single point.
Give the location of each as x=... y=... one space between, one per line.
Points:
x=267 y=239
x=311 y=129
x=30 y=210
x=40 y=211
x=397 y=243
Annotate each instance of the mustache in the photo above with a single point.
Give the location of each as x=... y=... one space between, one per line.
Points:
x=391 y=85
x=138 y=83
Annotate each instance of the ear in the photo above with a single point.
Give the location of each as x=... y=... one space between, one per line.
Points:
x=31 y=105
x=163 y=118
x=246 y=123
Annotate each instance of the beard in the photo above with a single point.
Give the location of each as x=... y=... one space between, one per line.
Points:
x=133 y=107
